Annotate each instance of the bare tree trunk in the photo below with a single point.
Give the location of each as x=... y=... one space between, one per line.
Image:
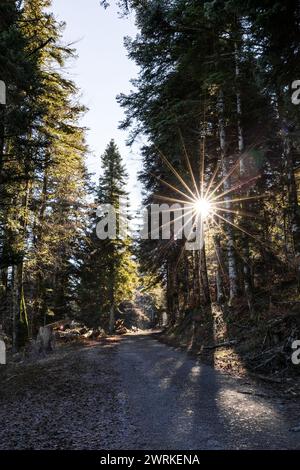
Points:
x=169 y=300
x=231 y=256
x=112 y=301
x=196 y=279
x=186 y=290
x=15 y=308
x=40 y=292
x=293 y=210
x=22 y=306
x=170 y=294
x=4 y=277
x=112 y=318
x=176 y=303
x=243 y=174
x=2 y=132
x=293 y=207
x=206 y=300
x=219 y=274
x=3 y=295
x=21 y=273
x=4 y=269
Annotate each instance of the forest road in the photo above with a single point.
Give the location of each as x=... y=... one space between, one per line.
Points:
x=134 y=392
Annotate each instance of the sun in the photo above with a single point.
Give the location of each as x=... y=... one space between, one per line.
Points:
x=210 y=201
x=203 y=207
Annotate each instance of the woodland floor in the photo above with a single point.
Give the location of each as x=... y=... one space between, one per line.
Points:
x=133 y=392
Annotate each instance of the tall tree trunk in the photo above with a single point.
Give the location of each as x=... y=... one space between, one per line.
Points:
x=15 y=308
x=175 y=282
x=2 y=133
x=220 y=291
x=3 y=279
x=206 y=300
x=293 y=207
x=3 y=295
x=170 y=294
x=38 y=236
x=23 y=307
x=196 y=279
x=112 y=318
x=293 y=210
x=186 y=287
x=243 y=174
x=231 y=256
x=112 y=302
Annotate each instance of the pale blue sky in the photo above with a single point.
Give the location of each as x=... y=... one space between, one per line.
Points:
x=101 y=71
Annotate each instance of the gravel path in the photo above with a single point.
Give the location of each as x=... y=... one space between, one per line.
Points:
x=136 y=393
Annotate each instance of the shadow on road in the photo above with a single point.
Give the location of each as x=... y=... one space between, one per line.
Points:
x=177 y=403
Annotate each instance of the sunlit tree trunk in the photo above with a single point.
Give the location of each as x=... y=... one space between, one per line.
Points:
x=220 y=291
x=38 y=237
x=231 y=256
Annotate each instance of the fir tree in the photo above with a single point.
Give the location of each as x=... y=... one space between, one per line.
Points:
x=109 y=270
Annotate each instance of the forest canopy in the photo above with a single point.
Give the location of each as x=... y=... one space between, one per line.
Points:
x=214 y=103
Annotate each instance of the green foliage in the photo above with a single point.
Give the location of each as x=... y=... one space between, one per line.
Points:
x=43 y=177
x=109 y=270
x=188 y=53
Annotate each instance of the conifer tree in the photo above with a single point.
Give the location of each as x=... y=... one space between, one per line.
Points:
x=216 y=85
x=43 y=177
x=109 y=273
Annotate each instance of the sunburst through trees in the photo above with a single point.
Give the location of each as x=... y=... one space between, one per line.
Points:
x=208 y=203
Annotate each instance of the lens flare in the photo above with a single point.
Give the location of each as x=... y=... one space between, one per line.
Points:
x=203 y=207
x=206 y=200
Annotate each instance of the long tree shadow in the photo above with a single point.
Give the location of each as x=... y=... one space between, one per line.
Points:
x=190 y=405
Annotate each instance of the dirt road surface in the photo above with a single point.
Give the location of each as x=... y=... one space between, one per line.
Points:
x=134 y=392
